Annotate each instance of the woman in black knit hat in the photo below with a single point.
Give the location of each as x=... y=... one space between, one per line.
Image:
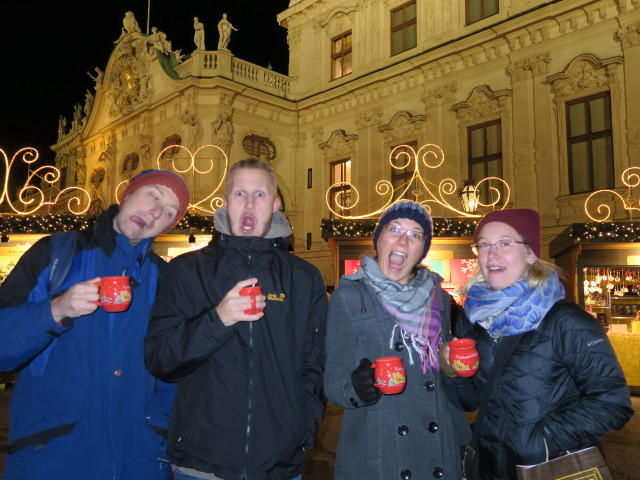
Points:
x=393 y=306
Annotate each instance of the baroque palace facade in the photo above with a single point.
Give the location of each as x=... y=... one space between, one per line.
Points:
x=537 y=93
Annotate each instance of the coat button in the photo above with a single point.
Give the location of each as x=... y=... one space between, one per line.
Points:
x=430 y=386
x=117 y=373
x=403 y=430
x=353 y=402
x=398 y=346
x=437 y=472
x=433 y=427
x=405 y=474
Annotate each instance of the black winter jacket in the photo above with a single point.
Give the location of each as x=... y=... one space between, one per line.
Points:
x=250 y=395
x=563 y=385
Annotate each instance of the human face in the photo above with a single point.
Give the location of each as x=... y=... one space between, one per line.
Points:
x=146 y=213
x=397 y=255
x=250 y=202
x=503 y=268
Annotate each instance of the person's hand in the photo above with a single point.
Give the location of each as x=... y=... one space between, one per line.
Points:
x=231 y=308
x=443 y=359
x=363 y=379
x=79 y=300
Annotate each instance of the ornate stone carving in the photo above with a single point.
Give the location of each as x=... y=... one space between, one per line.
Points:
x=222 y=131
x=482 y=105
x=145 y=149
x=530 y=67
x=339 y=145
x=440 y=95
x=129 y=82
x=366 y=119
x=194 y=130
x=402 y=125
x=585 y=72
x=628 y=36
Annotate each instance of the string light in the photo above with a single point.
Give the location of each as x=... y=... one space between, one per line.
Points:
x=346 y=197
x=32 y=196
x=631 y=179
x=191 y=165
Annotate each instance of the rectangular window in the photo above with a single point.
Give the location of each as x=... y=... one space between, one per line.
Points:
x=479 y=9
x=485 y=157
x=404 y=28
x=402 y=169
x=341 y=55
x=589 y=138
x=340 y=195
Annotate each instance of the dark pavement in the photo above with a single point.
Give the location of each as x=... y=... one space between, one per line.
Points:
x=621 y=449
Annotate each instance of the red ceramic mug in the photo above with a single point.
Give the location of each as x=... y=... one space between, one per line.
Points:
x=252 y=292
x=390 y=375
x=115 y=293
x=463 y=357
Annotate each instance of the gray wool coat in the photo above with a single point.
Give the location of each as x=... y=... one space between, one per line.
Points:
x=414 y=435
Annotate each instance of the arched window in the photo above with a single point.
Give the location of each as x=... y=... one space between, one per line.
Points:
x=259 y=147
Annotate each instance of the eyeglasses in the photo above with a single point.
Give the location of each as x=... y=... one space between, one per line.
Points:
x=396 y=231
x=501 y=246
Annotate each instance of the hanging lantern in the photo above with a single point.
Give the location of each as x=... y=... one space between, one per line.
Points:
x=469 y=197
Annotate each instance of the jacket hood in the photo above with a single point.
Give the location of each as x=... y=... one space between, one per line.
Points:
x=279 y=224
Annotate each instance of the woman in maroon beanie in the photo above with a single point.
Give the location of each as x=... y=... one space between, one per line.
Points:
x=562 y=387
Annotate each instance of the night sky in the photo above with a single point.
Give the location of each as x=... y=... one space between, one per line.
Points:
x=49 y=46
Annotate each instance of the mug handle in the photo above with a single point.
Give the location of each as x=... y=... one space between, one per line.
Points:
x=99 y=284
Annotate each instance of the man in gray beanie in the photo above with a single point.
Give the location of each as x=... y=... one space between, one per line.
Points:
x=84 y=405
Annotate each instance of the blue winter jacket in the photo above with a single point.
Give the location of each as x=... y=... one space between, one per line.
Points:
x=84 y=406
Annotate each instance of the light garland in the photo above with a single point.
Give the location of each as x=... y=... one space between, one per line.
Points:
x=631 y=179
x=190 y=165
x=346 y=196
x=32 y=196
x=606 y=232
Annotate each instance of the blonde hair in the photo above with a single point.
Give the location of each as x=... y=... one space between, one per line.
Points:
x=537 y=274
x=251 y=163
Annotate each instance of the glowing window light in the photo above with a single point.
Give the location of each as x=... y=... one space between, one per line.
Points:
x=444 y=194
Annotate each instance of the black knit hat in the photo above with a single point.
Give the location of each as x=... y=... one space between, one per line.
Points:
x=412 y=211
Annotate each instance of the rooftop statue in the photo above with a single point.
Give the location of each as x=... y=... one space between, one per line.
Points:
x=198 y=36
x=224 y=30
x=88 y=102
x=98 y=78
x=129 y=25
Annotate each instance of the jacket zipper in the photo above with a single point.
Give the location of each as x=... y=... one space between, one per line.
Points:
x=250 y=385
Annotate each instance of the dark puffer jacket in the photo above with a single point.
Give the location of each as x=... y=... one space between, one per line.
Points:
x=562 y=385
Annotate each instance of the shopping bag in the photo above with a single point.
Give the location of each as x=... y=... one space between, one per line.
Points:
x=585 y=464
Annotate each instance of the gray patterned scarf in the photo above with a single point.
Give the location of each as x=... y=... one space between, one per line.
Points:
x=415 y=308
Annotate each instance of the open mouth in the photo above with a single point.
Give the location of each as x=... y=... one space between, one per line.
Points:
x=248 y=224
x=397 y=259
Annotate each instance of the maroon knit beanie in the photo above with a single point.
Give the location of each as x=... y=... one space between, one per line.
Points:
x=169 y=180
x=523 y=220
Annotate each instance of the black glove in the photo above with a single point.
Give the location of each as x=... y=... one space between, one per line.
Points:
x=363 y=378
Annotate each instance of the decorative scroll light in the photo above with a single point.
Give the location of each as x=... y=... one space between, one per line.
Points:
x=189 y=166
x=32 y=197
x=345 y=196
x=631 y=179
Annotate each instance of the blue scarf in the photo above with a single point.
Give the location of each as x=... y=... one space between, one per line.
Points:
x=512 y=310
